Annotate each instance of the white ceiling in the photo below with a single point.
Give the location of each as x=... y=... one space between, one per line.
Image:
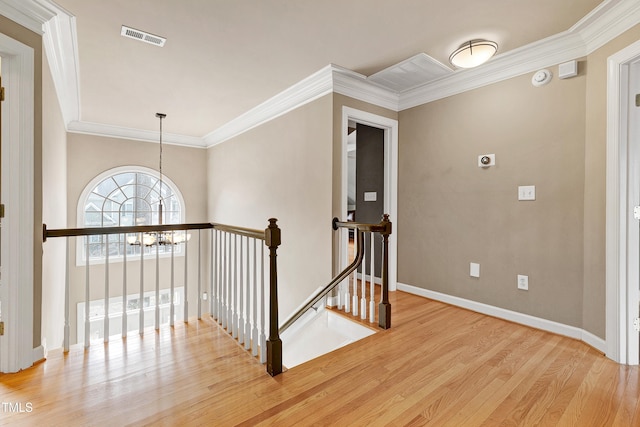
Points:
x=223 y=58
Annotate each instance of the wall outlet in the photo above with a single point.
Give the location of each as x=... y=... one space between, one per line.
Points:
x=205 y=296
x=474 y=269
x=523 y=282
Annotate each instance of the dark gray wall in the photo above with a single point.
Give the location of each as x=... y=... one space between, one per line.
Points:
x=369 y=178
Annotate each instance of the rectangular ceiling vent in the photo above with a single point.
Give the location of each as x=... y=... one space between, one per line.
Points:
x=142 y=36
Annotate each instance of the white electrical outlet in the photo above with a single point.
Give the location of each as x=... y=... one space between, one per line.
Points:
x=523 y=282
x=474 y=269
x=205 y=296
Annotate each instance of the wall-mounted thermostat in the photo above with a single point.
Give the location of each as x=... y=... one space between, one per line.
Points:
x=486 y=160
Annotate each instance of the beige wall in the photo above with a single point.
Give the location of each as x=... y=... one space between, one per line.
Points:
x=282 y=169
x=33 y=40
x=89 y=156
x=54 y=212
x=452 y=212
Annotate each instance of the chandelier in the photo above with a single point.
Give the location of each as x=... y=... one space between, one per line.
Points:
x=159 y=237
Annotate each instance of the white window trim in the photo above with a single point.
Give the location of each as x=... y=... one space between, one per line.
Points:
x=80 y=246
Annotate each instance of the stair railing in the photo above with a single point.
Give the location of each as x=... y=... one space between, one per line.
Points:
x=236 y=287
x=384 y=228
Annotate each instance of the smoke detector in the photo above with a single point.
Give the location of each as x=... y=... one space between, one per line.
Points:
x=142 y=36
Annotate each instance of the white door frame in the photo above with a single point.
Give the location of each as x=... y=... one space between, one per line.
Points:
x=390 y=128
x=622 y=231
x=16 y=286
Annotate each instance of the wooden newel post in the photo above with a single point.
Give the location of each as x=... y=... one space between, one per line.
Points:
x=384 y=308
x=274 y=344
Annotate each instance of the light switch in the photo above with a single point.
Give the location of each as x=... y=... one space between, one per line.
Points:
x=370 y=196
x=527 y=192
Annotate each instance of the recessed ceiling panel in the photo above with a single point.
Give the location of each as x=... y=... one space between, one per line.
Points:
x=410 y=73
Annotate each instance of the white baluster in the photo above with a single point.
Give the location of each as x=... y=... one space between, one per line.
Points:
x=106 y=291
x=347 y=297
x=141 y=299
x=254 y=332
x=124 y=288
x=240 y=285
x=199 y=299
x=213 y=276
x=67 y=288
x=354 y=302
x=247 y=304
x=263 y=337
x=172 y=308
x=363 y=282
x=372 y=305
x=87 y=324
x=234 y=284
x=221 y=281
x=157 y=307
x=186 y=282
x=226 y=277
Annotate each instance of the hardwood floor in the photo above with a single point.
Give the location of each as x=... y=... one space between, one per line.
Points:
x=438 y=365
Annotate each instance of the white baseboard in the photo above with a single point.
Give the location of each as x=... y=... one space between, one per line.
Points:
x=38 y=354
x=512 y=316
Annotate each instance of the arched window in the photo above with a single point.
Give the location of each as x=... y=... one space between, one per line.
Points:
x=127 y=196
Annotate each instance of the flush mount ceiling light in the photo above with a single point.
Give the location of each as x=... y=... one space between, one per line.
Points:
x=473 y=53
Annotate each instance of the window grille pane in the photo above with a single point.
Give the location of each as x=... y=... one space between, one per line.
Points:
x=105 y=187
x=93 y=219
x=94 y=202
x=129 y=191
x=127 y=178
x=146 y=180
x=126 y=218
x=118 y=196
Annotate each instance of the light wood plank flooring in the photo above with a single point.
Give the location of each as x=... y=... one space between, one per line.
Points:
x=438 y=365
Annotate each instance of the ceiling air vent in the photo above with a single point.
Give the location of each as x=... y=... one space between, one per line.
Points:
x=142 y=36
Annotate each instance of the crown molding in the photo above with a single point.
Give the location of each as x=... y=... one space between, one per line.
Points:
x=541 y=54
x=31 y=14
x=606 y=22
x=111 y=131
x=356 y=85
x=309 y=89
x=61 y=47
x=331 y=78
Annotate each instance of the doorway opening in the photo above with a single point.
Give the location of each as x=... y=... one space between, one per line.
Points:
x=383 y=170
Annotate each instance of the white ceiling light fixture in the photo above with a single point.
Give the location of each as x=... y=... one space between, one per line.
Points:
x=473 y=53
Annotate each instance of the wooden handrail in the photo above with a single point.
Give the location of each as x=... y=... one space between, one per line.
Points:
x=94 y=231
x=384 y=228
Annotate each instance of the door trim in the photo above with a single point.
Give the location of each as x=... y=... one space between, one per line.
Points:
x=621 y=258
x=390 y=127
x=16 y=346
